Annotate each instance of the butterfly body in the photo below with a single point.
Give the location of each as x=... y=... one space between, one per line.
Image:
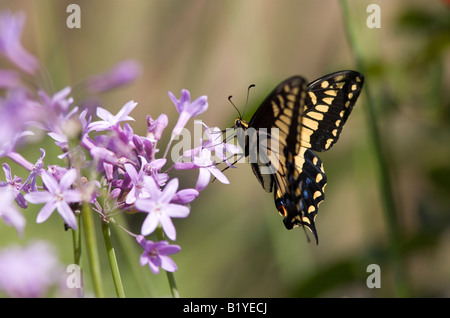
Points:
x=295 y=120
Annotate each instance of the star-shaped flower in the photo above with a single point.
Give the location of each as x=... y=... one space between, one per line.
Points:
x=109 y=120
x=186 y=109
x=156 y=254
x=160 y=209
x=58 y=196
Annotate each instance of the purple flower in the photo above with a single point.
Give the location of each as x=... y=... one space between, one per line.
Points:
x=159 y=208
x=9 y=212
x=186 y=109
x=109 y=120
x=58 y=197
x=156 y=254
x=29 y=271
x=74 y=128
x=138 y=181
x=206 y=168
x=34 y=173
x=59 y=103
x=121 y=74
x=104 y=155
x=185 y=196
x=220 y=148
x=10 y=31
x=152 y=169
x=202 y=161
x=156 y=127
x=14 y=185
x=57 y=172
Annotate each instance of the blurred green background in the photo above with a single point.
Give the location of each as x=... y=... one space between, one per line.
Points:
x=234 y=243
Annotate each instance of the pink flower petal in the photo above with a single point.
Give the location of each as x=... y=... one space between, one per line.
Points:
x=122 y=115
x=46 y=211
x=67 y=214
x=169 y=191
x=38 y=197
x=203 y=179
x=168 y=264
x=71 y=196
x=168 y=227
x=132 y=172
x=218 y=174
x=68 y=179
x=131 y=196
x=104 y=114
x=150 y=223
x=50 y=182
x=152 y=188
x=145 y=205
x=176 y=210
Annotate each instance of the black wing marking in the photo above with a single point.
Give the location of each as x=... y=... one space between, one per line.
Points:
x=301 y=191
x=280 y=110
x=329 y=102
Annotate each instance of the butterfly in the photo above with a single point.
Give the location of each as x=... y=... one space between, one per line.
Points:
x=295 y=120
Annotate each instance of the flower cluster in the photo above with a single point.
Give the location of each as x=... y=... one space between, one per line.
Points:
x=103 y=163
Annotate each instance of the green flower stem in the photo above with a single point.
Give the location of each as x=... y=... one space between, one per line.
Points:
x=131 y=253
x=112 y=260
x=76 y=238
x=91 y=243
x=170 y=275
x=384 y=181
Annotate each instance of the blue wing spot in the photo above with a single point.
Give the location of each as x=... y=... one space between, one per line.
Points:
x=305 y=194
x=308 y=181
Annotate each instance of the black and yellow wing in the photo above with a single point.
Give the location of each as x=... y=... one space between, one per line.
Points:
x=295 y=119
x=329 y=102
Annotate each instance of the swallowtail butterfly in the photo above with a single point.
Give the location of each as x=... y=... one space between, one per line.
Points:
x=308 y=118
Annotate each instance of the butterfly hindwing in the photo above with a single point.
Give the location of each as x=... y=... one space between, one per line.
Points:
x=298 y=198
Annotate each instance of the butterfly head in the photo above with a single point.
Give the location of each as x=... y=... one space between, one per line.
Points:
x=240 y=123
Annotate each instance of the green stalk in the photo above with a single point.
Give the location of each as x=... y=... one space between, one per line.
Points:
x=173 y=285
x=383 y=173
x=132 y=252
x=91 y=243
x=170 y=275
x=112 y=260
x=76 y=239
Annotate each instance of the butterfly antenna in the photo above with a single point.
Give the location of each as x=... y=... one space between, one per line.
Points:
x=248 y=93
x=229 y=99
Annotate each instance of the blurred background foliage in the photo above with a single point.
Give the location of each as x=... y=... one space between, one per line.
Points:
x=234 y=243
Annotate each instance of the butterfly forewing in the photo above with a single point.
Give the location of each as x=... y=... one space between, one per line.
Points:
x=329 y=102
x=282 y=110
x=276 y=123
